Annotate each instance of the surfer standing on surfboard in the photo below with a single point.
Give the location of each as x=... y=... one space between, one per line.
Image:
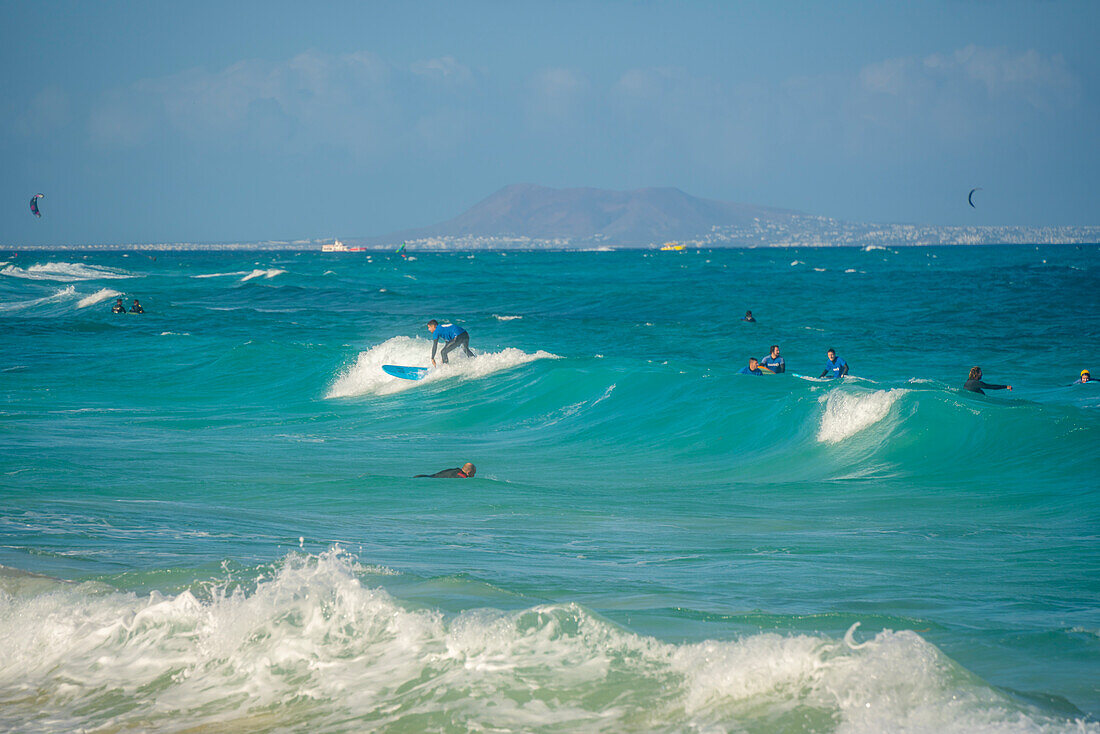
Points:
x=452 y=336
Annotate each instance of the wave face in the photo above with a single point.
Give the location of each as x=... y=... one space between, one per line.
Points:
x=65 y=272
x=210 y=517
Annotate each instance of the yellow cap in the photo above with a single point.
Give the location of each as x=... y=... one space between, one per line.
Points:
x=1086 y=372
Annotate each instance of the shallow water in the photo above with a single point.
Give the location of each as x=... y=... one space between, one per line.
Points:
x=209 y=519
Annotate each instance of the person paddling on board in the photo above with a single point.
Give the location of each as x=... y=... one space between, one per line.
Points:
x=974 y=382
x=834 y=366
x=773 y=362
x=136 y=308
x=752 y=369
x=452 y=336
x=119 y=307
x=467 y=471
x=749 y=317
x=1084 y=378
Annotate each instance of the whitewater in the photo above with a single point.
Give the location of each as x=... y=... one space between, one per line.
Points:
x=210 y=522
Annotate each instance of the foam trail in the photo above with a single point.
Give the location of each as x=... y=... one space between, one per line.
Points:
x=366 y=377
x=309 y=641
x=60 y=295
x=258 y=273
x=846 y=414
x=65 y=272
x=506 y=318
x=221 y=275
x=100 y=295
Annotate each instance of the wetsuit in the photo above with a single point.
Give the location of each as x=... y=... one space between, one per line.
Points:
x=750 y=319
x=455 y=473
x=838 y=367
x=452 y=336
x=746 y=371
x=775 y=364
x=977 y=385
x=137 y=309
x=118 y=308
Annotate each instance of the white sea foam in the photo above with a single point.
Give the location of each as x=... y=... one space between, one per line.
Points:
x=311 y=646
x=846 y=414
x=101 y=295
x=56 y=296
x=796 y=262
x=506 y=318
x=870 y=248
x=221 y=275
x=366 y=377
x=260 y=273
x=66 y=272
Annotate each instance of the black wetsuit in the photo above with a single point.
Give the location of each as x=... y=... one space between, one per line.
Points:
x=118 y=308
x=977 y=385
x=462 y=340
x=137 y=309
x=455 y=473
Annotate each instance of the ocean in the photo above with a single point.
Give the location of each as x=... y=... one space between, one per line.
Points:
x=209 y=521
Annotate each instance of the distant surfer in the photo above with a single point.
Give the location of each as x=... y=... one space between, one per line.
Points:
x=974 y=382
x=452 y=336
x=467 y=471
x=773 y=361
x=834 y=365
x=119 y=307
x=749 y=317
x=1084 y=378
x=752 y=369
x=136 y=308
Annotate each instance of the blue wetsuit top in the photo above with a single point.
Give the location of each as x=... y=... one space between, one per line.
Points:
x=838 y=367
x=746 y=371
x=775 y=364
x=448 y=332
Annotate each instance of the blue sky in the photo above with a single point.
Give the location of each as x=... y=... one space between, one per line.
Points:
x=239 y=121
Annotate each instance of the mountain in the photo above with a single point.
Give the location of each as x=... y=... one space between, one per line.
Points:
x=642 y=216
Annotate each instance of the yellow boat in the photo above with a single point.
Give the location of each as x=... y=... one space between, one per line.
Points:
x=672 y=246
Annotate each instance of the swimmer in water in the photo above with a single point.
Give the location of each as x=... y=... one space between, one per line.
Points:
x=119 y=307
x=749 y=317
x=136 y=308
x=1084 y=378
x=752 y=369
x=467 y=471
x=835 y=366
x=773 y=362
x=974 y=383
x=452 y=336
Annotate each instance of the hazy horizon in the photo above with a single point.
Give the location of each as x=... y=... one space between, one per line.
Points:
x=253 y=122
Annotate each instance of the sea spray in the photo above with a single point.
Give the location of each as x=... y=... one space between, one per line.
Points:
x=287 y=644
x=366 y=377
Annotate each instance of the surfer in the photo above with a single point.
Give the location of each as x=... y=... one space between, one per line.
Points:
x=773 y=361
x=119 y=307
x=467 y=471
x=749 y=317
x=1084 y=378
x=834 y=366
x=136 y=308
x=452 y=336
x=752 y=369
x=974 y=382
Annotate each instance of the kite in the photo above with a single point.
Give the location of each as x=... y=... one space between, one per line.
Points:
x=970 y=196
x=34 y=204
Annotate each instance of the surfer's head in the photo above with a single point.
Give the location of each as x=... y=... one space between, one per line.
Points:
x=469 y=469
x=1085 y=376
x=775 y=350
x=831 y=354
x=431 y=326
x=975 y=373
x=752 y=363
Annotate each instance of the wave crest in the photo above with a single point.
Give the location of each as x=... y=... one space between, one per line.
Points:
x=846 y=414
x=366 y=377
x=65 y=272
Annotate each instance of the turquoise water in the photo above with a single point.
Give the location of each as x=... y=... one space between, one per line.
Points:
x=208 y=513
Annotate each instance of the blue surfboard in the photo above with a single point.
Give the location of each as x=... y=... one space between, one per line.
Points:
x=405 y=373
